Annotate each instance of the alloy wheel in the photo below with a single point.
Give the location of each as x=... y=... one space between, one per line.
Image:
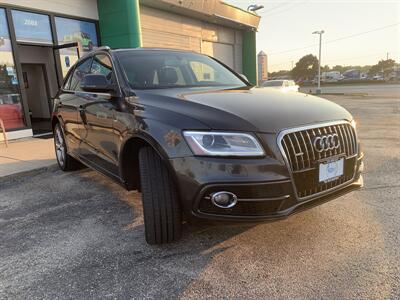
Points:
x=60 y=146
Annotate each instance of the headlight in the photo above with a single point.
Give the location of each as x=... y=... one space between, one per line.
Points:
x=223 y=144
x=353 y=124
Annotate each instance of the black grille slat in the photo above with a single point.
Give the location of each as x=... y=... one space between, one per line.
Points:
x=306 y=148
x=347 y=139
x=341 y=144
x=342 y=140
x=300 y=151
x=293 y=152
x=304 y=160
x=310 y=143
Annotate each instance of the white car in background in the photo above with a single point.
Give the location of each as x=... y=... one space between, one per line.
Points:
x=283 y=85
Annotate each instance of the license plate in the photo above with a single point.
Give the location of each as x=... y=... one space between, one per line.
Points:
x=331 y=170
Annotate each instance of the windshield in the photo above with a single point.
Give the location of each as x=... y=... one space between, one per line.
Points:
x=273 y=83
x=154 y=69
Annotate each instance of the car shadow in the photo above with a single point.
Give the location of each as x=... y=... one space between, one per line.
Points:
x=80 y=235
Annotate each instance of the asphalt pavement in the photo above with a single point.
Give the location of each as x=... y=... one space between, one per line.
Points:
x=79 y=235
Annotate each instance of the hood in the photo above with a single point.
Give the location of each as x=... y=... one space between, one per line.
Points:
x=260 y=110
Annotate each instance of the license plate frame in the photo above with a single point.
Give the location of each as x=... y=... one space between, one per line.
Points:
x=330 y=170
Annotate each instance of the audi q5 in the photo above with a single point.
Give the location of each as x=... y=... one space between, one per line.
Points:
x=199 y=141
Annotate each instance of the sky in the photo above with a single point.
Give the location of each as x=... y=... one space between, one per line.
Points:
x=285 y=30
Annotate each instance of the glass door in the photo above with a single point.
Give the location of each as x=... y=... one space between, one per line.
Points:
x=68 y=54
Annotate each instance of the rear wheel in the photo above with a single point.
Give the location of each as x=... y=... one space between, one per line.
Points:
x=64 y=160
x=161 y=209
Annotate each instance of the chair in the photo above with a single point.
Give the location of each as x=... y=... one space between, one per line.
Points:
x=3 y=129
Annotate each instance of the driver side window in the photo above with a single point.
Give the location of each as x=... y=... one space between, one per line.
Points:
x=81 y=70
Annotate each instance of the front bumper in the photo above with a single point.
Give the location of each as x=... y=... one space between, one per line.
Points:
x=263 y=186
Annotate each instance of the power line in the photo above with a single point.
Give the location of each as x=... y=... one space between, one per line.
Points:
x=292 y=50
x=362 y=33
x=382 y=53
x=338 y=39
x=266 y=13
x=267 y=10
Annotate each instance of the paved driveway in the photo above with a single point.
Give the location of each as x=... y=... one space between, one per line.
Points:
x=79 y=235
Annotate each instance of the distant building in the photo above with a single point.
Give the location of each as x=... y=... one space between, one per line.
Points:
x=262 y=67
x=331 y=76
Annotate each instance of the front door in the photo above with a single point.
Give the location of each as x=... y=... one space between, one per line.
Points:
x=38 y=98
x=98 y=114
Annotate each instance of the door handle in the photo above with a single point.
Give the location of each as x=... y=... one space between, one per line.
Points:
x=82 y=114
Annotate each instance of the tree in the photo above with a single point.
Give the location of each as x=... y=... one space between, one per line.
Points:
x=385 y=66
x=306 y=67
x=325 y=68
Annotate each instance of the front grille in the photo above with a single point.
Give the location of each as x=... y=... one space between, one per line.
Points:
x=303 y=159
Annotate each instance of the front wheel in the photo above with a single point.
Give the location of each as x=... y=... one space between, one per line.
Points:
x=161 y=209
x=64 y=160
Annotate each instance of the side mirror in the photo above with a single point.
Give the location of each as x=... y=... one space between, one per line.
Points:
x=244 y=77
x=96 y=83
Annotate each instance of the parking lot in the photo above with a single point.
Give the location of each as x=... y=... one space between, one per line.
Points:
x=79 y=235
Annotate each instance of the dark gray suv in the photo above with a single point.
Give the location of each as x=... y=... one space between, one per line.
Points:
x=199 y=141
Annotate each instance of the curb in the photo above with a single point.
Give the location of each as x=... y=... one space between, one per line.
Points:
x=16 y=176
x=341 y=94
x=346 y=94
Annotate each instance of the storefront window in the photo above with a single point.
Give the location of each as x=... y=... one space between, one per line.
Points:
x=11 y=111
x=69 y=31
x=32 y=27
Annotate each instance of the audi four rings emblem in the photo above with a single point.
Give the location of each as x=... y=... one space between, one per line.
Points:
x=326 y=142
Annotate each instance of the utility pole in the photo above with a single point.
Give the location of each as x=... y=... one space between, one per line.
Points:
x=292 y=64
x=319 y=60
x=387 y=55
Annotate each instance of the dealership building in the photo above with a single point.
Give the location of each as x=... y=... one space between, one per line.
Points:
x=40 y=40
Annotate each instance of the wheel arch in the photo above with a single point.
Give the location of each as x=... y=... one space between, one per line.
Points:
x=129 y=159
x=54 y=121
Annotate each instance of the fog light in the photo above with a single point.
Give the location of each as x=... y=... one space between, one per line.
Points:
x=224 y=199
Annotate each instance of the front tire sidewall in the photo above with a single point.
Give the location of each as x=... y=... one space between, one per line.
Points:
x=161 y=207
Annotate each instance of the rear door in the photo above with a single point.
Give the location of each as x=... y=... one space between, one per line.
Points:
x=77 y=101
x=68 y=108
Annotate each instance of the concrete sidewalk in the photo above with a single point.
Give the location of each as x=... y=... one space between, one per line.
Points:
x=26 y=155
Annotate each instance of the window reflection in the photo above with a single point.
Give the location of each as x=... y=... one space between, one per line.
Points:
x=70 y=31
x=32 y=27
x=11 y=111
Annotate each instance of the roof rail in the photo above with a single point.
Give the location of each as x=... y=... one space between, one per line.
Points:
x=106 y=48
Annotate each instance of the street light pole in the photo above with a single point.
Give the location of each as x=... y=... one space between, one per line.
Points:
x=319 y=60
x=254 y=7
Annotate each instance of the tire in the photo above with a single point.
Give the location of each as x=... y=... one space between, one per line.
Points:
x=161 y=208
x=65 y=161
